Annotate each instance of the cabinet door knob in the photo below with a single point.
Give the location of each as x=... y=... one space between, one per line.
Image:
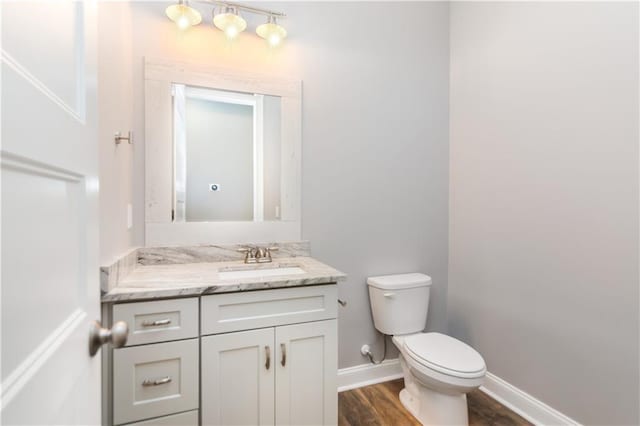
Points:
x=267 y=351
x=98 y=336
x=283 y=349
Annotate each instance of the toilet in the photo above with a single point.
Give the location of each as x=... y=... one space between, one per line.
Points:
x=438 y=370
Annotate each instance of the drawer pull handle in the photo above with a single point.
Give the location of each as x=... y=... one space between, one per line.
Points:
x=283 y=348
x=158 y=382
x=267 y=350
x=156 y=323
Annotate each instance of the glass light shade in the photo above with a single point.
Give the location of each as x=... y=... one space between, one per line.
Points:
x=183 y=15
x=230 y=23
x=272 y=32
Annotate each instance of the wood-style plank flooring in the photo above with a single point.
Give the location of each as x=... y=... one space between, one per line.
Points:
x=379 y=405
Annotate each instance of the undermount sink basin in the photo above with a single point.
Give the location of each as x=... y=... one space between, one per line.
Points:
x=259 y=272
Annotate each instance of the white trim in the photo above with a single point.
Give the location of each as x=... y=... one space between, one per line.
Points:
x=522 y=403
x=518 y=401
x=186 y=233
x=368 y=374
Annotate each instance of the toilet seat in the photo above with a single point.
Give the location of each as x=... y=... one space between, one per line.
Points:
x=445 y=355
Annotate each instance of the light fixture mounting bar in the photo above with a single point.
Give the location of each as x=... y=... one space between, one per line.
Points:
x=250 y=9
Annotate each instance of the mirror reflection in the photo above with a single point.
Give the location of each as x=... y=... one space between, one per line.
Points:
x=227 y=155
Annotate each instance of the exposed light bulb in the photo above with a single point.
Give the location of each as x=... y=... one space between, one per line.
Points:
x=274 y=40
x=272 y=32
x=183 y=22
x=231 y=32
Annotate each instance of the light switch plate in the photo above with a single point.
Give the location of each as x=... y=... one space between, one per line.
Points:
x=129 y=216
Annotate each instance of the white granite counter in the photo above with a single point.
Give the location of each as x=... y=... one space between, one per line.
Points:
x=153 y=281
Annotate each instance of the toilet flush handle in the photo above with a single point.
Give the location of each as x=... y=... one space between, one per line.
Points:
x=389 y=295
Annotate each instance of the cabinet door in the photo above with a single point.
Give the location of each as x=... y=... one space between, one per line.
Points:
x=238 y=378
x=306 y=374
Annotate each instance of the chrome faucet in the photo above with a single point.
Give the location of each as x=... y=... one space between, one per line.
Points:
x=257 y=254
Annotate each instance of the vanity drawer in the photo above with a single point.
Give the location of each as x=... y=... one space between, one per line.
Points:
x=222 y=313
x=155 y=380
x=161 y=321
x=189 y=418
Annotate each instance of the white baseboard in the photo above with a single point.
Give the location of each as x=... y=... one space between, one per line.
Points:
x=508 y=395
x=368 y=374
x=532 y=409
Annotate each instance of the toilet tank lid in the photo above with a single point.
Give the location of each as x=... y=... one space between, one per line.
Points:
x=400 y=281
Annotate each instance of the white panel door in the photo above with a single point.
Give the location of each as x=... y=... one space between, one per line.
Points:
x=237 y=378
x=307 y=374
x=49 y=165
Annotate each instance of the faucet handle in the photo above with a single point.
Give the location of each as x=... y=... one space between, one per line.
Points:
x=268 y=251
x=250 y=254
x=263 y=254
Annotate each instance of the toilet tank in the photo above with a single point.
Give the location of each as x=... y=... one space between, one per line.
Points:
x=399 y=303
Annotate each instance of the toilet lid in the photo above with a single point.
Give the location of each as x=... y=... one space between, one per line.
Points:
x=444 y=353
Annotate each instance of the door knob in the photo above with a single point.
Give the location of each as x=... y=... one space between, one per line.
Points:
x=98 y=336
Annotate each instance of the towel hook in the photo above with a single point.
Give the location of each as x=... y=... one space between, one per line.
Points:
x=119 y=138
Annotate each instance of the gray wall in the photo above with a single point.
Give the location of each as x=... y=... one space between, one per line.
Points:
x=219 y=139
x=543 y=276
x=375 y=135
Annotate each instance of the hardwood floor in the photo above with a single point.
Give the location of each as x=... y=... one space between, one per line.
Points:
x=379 y=405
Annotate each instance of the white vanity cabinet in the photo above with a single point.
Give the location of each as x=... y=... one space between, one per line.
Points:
x=264 y=357
x=284 y=373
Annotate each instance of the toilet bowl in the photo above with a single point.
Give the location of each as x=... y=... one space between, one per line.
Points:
x=438 y=370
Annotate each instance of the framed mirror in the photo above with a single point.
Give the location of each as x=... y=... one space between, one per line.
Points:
x=222 y=156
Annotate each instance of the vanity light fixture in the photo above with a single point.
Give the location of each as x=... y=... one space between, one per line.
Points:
x=229 y=21
x=226 y=17
x=183 y=15
x=272 y=32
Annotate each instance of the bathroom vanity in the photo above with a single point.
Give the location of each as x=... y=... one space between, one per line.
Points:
x=221 y=342
x=213 y=340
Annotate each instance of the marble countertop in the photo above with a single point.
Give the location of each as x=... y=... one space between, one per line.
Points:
x=194 y=279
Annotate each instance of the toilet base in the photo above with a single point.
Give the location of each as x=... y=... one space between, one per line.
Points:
x=431 y=407
x=434 y=408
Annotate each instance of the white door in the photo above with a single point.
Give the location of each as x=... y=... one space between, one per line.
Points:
x=237 y=374
x=49 y=165
x=307 y=374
